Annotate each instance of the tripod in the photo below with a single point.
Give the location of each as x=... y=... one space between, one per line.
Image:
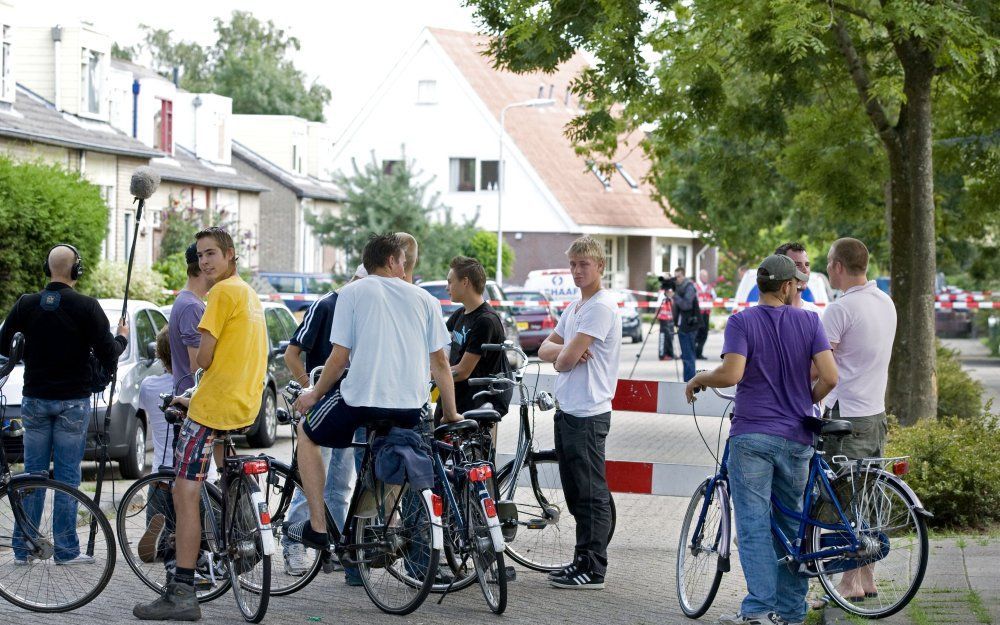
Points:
x=659 y=304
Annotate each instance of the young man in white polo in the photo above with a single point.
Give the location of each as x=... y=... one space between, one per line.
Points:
x=584 y=348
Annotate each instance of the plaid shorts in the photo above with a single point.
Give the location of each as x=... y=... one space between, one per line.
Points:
x=193 y=451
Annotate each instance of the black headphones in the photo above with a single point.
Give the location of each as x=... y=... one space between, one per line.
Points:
x=75 y=271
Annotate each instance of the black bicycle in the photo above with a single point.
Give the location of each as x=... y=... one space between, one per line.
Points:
x=541 y=534
x=57 y=552
x=392 y=533
x=237 y=540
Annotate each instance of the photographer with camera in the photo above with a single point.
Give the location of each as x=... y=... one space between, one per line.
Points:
x=69 y=354
x=687 y=316
x=665 y=316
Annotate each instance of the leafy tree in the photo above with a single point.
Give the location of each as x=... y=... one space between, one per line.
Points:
x=108 y=280
x=821 y=106
x=393 y=200
x=173 y=270
x=248 y=63
x=125 y=53
x=483 y=247
x=180 y=224
x=40 y=206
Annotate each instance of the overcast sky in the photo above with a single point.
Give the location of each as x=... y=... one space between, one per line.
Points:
x=348 y=46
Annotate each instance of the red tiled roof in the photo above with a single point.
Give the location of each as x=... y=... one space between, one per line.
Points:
x=540 y=135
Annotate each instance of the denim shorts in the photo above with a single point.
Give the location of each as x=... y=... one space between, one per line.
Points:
x=193 y=452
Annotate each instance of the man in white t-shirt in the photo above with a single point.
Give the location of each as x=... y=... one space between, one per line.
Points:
x=861 y=326
x=797 y=252
x=584 y=348
x=393 y=336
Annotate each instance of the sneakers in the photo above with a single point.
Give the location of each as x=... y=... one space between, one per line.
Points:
x=738 y=619
x=566 y=571
x=352 y=576
x=151 y=538
x=578 y=580
x=79 y=559
x=296 y=560
x=177 y=603
x=23 y=561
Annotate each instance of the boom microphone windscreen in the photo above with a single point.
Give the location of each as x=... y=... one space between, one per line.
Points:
x=144 y=183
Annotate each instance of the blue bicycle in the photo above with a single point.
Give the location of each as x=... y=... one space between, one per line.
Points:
x=862 y=520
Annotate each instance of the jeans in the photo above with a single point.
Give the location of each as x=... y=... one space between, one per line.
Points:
x=702 y=335
x=54 y=431
x=666 y=344
x=761 y=465
x=340 y=474
x=687 y=340
x=579 y=443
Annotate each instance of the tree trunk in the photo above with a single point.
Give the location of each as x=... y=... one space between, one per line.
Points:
x=912 y=379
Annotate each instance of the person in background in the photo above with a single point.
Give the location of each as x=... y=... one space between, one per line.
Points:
x=706 y=300
x=185 y=315
x=797 y=252
x=666 y=318
x=687 y=316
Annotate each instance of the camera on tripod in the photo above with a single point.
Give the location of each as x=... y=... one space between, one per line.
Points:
x=667 y=284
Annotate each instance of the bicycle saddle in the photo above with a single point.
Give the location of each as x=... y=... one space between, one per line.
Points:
x=483 y=415
x=836 y=428
x=455 y=428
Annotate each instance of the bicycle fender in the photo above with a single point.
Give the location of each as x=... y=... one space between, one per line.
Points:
x=263 y=521
x=492 y=521
x=914 y=500
x=437 y=529
x=725 y=549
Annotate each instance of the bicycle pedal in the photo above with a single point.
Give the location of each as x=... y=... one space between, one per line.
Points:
x=511 y=573
x=328 y=564
x=536 y=524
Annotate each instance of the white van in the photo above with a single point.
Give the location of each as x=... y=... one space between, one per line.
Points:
x=555 y=284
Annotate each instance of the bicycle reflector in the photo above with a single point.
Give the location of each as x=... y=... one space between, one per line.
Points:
x=490 y=507
x=255 y=467
x=481 y=473
x=901 y=467
x=437 y=504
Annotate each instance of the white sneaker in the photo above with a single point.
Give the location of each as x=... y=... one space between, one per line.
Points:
x=296 y=560
x=80 y=559
x=739 y=619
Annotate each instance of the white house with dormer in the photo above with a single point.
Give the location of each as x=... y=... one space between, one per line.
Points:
x=441 y=105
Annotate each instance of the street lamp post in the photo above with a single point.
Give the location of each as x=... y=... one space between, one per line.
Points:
x=534 y=103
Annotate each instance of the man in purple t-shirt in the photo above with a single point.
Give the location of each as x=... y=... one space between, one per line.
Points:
x=185 y=315
x=767 y=354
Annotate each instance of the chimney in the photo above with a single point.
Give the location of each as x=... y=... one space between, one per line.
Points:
x=551 y=89
x=541 y=91
x=177 y=76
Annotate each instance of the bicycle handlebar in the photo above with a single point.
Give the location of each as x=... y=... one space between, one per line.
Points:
x=16 y=352
x=723 y=395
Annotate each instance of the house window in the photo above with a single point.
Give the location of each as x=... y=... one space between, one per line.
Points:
x=163 y=127
x=6 y=75
x=681 y=259
x=463 y=174
x=156 y=218
x=427 y=92
x=605 y=181
x=628 y=178
x=388 y=167
x=91 y=82
x=489 y=175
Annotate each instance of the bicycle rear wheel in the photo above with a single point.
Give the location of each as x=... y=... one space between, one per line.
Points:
x=546 y=531
x=249 y=566
x=698 y=552
x=282 y=582
x=62 y=570
x=491 y=571
x=393 y=547
x=145 y=522
x=456 y=549
x=893 y=560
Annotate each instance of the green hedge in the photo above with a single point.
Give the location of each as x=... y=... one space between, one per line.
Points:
x=958 y=394
x=953 y=468
x=108 y=280
x=41 y=205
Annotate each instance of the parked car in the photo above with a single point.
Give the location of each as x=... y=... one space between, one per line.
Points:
x=493 y=293
x=631 y=319
x=281 y=326
x=536 y=319
x=127 y=432
x=555 y=284
x=289 y=285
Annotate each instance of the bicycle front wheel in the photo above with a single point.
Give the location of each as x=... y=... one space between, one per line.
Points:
x=393 y=547
x=146 y=524
x=279 y=494
x=57 y=552
x=546 y=531
x=893 y=556
x=490 y=568
x=249 y=566
x=704 y=533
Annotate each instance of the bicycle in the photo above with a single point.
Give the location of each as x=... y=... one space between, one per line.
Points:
x=237 y=539
x=34 y=573
x=861 y=516
x=541 y=533
x=392 y=534
x=464 y=479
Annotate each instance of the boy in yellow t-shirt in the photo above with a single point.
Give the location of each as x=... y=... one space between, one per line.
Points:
x=233 y=353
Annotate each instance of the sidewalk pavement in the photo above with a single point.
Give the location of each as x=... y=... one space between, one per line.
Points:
x=961 y=586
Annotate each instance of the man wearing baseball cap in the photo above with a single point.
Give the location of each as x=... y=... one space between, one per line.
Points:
x=767 y=353
x=185 y=315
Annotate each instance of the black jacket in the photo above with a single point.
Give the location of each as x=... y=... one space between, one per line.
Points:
x=60 y=328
